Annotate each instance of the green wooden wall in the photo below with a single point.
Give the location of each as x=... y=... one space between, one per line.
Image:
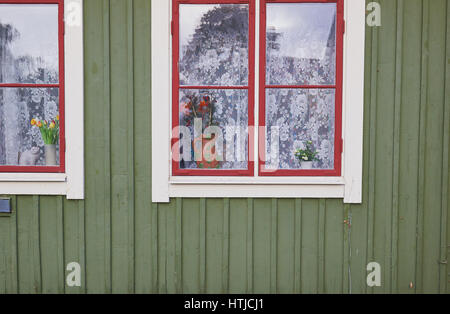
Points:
x=126 y=244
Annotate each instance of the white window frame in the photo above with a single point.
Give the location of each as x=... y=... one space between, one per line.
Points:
x=70 y=183
x=348 y=186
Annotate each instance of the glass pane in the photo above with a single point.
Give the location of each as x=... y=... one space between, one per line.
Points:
x=214 y=45
x=29 y=43
x=301 y=44
x=21 y=143
x=295 y=117
x=224 y=112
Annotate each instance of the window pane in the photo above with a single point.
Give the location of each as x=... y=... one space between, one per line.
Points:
x=301 y=44
x=214 y=45
x=226 y=111
x=295 y=117
x=29 y=43
x=20 y=142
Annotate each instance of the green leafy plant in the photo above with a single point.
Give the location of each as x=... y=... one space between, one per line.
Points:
x=307 y=154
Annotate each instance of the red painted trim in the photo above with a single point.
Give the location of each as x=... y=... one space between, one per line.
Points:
x=62 y=146
x=301 y=1
x=15 y=85
x=176 y=171
x=62 y=111
x=30 y=1
x=30 y=169
x=336 y=172
x=301 y=86
x=212 y=87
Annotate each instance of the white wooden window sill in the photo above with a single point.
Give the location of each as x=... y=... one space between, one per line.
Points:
x=33 y=177
x=258 y=180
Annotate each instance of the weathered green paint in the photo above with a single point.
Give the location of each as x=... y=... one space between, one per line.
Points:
x=125 y=243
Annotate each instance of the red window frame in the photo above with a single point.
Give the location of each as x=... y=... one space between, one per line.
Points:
x=336 y=172
x=60 y=86
x=176 y=171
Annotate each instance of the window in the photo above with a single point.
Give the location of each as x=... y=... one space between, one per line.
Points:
x=262 y=98
x=40 y=62
x=301 y=87
x=31 y=87
x=213 y=87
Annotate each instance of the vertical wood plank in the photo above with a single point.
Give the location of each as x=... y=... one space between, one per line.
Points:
x=321 y=248
x=226 y=247
x=75 y=242
x=162 y=246
x=97 y=204
x=273 y=247
x=347 y=252
x=8 y=251
x=154 y=250
x=216 y=236
x=131 y=148
x=384 y=145
x=445 y=219
x=175 y=245
x=286 y=246
x=51 y=242
x=179 y=247
x=238 y=270
x=144 y=221
x=422 y=139
x=202 y=246
x=396 y=148
x=333 y=250
x=262 y=249
x=409 y=146
x=250 y=245
x=122 y=146
x=298 y=247
x=191 y=244
x=372 y=148
x=310 y=246
x=29 y=251
x=434 y=146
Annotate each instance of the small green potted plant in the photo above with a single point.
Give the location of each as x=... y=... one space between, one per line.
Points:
x=307 y=156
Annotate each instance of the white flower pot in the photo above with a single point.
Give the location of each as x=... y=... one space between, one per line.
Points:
x=50 y=155
x=307 y=165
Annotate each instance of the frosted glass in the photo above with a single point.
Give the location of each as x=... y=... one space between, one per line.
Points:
x=29 y=43
x=17 y=107
x=230 y=114
x=214 y=45
x=301 y=44
x=300 y=115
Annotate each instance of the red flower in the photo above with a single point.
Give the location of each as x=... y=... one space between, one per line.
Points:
x=203 y=107
x=185 y=109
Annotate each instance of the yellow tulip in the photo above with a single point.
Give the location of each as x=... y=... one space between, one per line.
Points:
x=33 y=122
x=57 y=117
x=52 y=125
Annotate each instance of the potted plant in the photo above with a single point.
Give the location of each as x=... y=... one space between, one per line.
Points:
x=50 y=134
x=201 y=107
x=307 y=156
